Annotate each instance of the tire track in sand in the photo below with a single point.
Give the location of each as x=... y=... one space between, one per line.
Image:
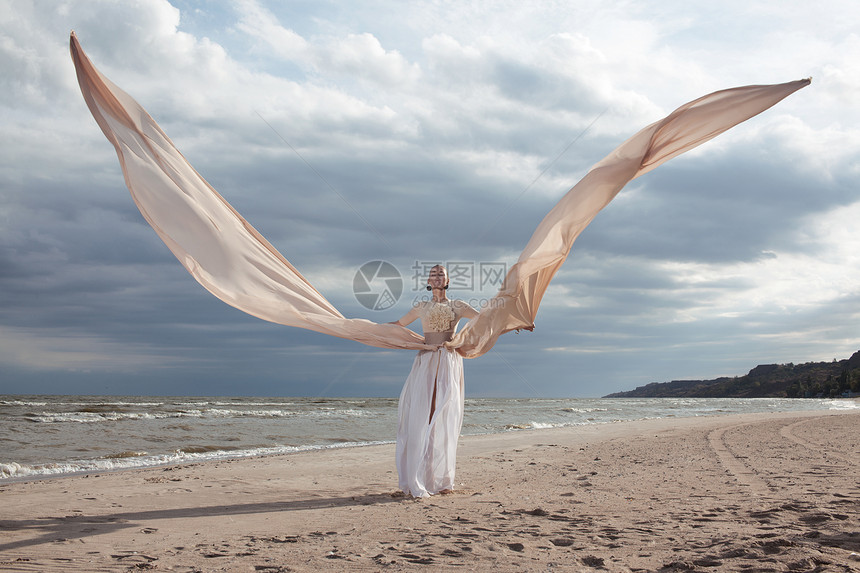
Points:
x=787 y=432
x=740 y=471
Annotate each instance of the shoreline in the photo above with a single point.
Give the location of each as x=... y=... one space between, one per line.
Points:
x=130 y=456
x=662 y=494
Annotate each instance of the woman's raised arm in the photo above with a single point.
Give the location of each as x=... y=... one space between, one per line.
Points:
x=408 y=318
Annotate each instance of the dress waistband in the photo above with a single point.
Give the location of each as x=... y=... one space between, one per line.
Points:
x=437 y=338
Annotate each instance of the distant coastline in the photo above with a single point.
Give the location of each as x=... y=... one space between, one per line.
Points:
x=839 y=378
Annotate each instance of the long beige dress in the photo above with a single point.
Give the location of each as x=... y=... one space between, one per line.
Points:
x=427 y=443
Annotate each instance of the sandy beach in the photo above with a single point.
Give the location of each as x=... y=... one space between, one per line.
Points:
x=762 y=492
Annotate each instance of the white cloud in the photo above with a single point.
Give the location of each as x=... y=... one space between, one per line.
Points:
x=427 y=112
x=359 y=57
x=777 y=282
x=362 y=57
x=274 y=39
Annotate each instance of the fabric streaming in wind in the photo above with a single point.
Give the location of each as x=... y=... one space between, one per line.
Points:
x=234 y=262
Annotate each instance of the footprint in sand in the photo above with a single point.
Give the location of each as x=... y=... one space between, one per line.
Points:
x=412 y=558
x=775 y=546
x=592 y=561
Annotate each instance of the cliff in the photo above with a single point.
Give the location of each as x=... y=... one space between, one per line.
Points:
x=812 y=379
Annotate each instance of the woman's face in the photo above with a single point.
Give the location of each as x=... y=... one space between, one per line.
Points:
x=438 y=277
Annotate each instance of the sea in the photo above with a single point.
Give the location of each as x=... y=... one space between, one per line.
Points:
x=51 y=436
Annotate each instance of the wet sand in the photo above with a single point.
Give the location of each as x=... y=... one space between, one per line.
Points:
x=754 y=492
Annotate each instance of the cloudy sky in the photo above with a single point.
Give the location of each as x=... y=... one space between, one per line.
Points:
x=349 y=132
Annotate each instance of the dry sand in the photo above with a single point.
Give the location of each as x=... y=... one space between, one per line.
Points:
x=767 y=492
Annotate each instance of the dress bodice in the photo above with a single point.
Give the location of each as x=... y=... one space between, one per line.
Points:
x=439 y=320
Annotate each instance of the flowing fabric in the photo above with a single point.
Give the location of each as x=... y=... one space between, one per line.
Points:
x=235 y=263
x=212 y=241
x=516 y=304
x=426 y=449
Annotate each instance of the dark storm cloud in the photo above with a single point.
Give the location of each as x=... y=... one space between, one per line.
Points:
x=733 y=209
x=453 y=152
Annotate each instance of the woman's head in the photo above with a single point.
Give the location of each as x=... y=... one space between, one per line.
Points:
x=437 y=278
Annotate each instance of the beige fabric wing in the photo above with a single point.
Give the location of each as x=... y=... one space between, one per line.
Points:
x=218 y=247
x=235 y=263
x=692 y=124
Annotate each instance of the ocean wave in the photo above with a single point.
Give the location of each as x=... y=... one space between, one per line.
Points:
x=95 y=417
x=846 y=404
x=321 y=412
x=125 y=455
x=91 y=415
x=101 y=404
x=10 y=470
x=338 y=412
x=131 y=460
x=545 y=425
x=584 y=410
x=223 y=403
x=244 y=403
x=203 y=449
x=230 y=413
x=534 y=426
x=113 y=404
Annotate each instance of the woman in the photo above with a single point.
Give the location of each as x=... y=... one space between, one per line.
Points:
x=430 y=411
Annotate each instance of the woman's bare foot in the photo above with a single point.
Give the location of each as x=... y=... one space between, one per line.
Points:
x=446 y=492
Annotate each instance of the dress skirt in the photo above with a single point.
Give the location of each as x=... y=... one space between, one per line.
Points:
x=427 y=447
